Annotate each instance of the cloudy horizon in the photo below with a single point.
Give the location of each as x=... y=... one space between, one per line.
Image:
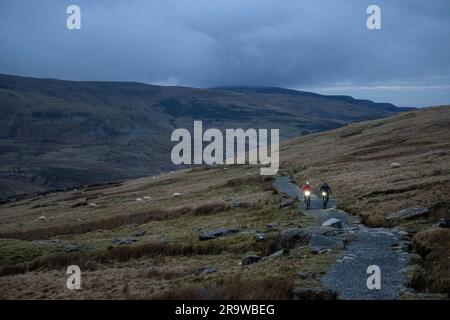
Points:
x=321 y=46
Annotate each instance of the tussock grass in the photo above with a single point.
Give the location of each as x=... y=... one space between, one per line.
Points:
x=251 y=180
x=165 y=274
x=118 y=221
x=62 y=260
x=267 y=247
x=433 y=245
x=234 y=288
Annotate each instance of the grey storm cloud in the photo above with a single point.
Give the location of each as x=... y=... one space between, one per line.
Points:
x=290 y=43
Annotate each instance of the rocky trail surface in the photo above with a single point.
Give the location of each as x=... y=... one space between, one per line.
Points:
x=362 y=247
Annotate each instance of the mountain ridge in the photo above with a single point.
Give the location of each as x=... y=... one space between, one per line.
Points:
x=59 y=133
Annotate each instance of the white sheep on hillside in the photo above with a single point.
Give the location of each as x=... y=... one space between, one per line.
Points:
x=395 y=165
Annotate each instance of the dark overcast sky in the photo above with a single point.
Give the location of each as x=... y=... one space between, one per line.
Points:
x=316 y=45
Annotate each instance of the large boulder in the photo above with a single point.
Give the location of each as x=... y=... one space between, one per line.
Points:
x=250 y=259
x=409 y=213
x=333 y=223
x=138 y=233
x=70 y=248
x=444 y=223
x=206 y=270
x=292 y=237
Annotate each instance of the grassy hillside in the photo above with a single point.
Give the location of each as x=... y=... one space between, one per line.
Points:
x=151 y=248
x=55 y=134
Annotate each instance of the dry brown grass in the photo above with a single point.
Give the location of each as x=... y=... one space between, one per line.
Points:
x=62 y=260
x=267 y=247
x=118 y=221
x=355 y=161
x=165 y=273
x=251 y=180
x=434 y=247
x=234 y=288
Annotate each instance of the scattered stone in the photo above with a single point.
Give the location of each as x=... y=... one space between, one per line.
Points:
x=92 y=205
x=444 y=223
x=286 y=203
x=147 y=198
x=304 y=275
x=138 y=233
x=205 y=237
x=260 y=237
x=125 y=241
x=139 y=199
x=395 y=165
x=176 y=194
x=250 y=259
x=292 y=237
x=277 y=254
x=317 y=250
x=42 y=218
x=70 y=248
x=333 y=223
x=314 y=294
x=272 y=225
x=206 y=270
x=218 y=232
x=409 y=213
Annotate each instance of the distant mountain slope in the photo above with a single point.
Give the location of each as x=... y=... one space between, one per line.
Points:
x=55 y=134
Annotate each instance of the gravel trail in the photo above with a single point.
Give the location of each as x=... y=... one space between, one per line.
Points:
x=382 y=247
